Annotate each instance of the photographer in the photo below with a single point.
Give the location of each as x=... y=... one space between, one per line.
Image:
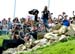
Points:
x=11 y=43
x=26 y=28
x=73 y=17
x=45 y=16
x=34 y=12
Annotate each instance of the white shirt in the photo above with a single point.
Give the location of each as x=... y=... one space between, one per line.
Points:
x=51 y=24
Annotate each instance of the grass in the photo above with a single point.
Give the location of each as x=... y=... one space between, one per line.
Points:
x=58 y=48
x=2 y=37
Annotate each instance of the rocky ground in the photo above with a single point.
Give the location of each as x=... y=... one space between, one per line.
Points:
x=48 y=39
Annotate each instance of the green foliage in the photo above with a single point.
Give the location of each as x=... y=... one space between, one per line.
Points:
x=1 y=41
x=2 y=37
x=71 y=37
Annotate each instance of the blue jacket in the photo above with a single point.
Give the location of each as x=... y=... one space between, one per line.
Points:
x=66 y=23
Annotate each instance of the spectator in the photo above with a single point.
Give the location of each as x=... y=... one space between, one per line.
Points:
x=50 y=23
x=28 y=40
x=34 y=31
x=0 y=28
x=45 y=16
x=65 y=24
x=4 y=21
x=4 y=26
x=16 y=20
x=9 y=23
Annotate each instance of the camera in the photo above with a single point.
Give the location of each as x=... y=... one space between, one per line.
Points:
x=18 y=27
x=34 y=12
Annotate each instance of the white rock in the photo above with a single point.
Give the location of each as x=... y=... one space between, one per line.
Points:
x=36 y=42
x=51 y=36
x=43 y=41
x=9 y=51
x=47 y=35
x=62 y=37
x=54 y=36
x=21 y=47
x=62 y=29
x=73 y=26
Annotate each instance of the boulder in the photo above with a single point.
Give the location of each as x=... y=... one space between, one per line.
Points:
x=47 y=35
x=43 y=42
x=73 y=26
x=9 y=51
x=63 y=38
x=71 y=30
x=36 y=42
x=51 y=36
x=40 y=35
x=55 y=31
x=21 y=47
x=57 y=27
x=62 y=30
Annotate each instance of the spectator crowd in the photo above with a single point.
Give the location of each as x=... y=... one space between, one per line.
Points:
x=27 y=29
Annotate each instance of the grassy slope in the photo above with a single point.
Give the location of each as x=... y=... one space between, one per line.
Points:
x=59 y=48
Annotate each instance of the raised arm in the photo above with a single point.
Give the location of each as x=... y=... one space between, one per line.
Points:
x=73 y=13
